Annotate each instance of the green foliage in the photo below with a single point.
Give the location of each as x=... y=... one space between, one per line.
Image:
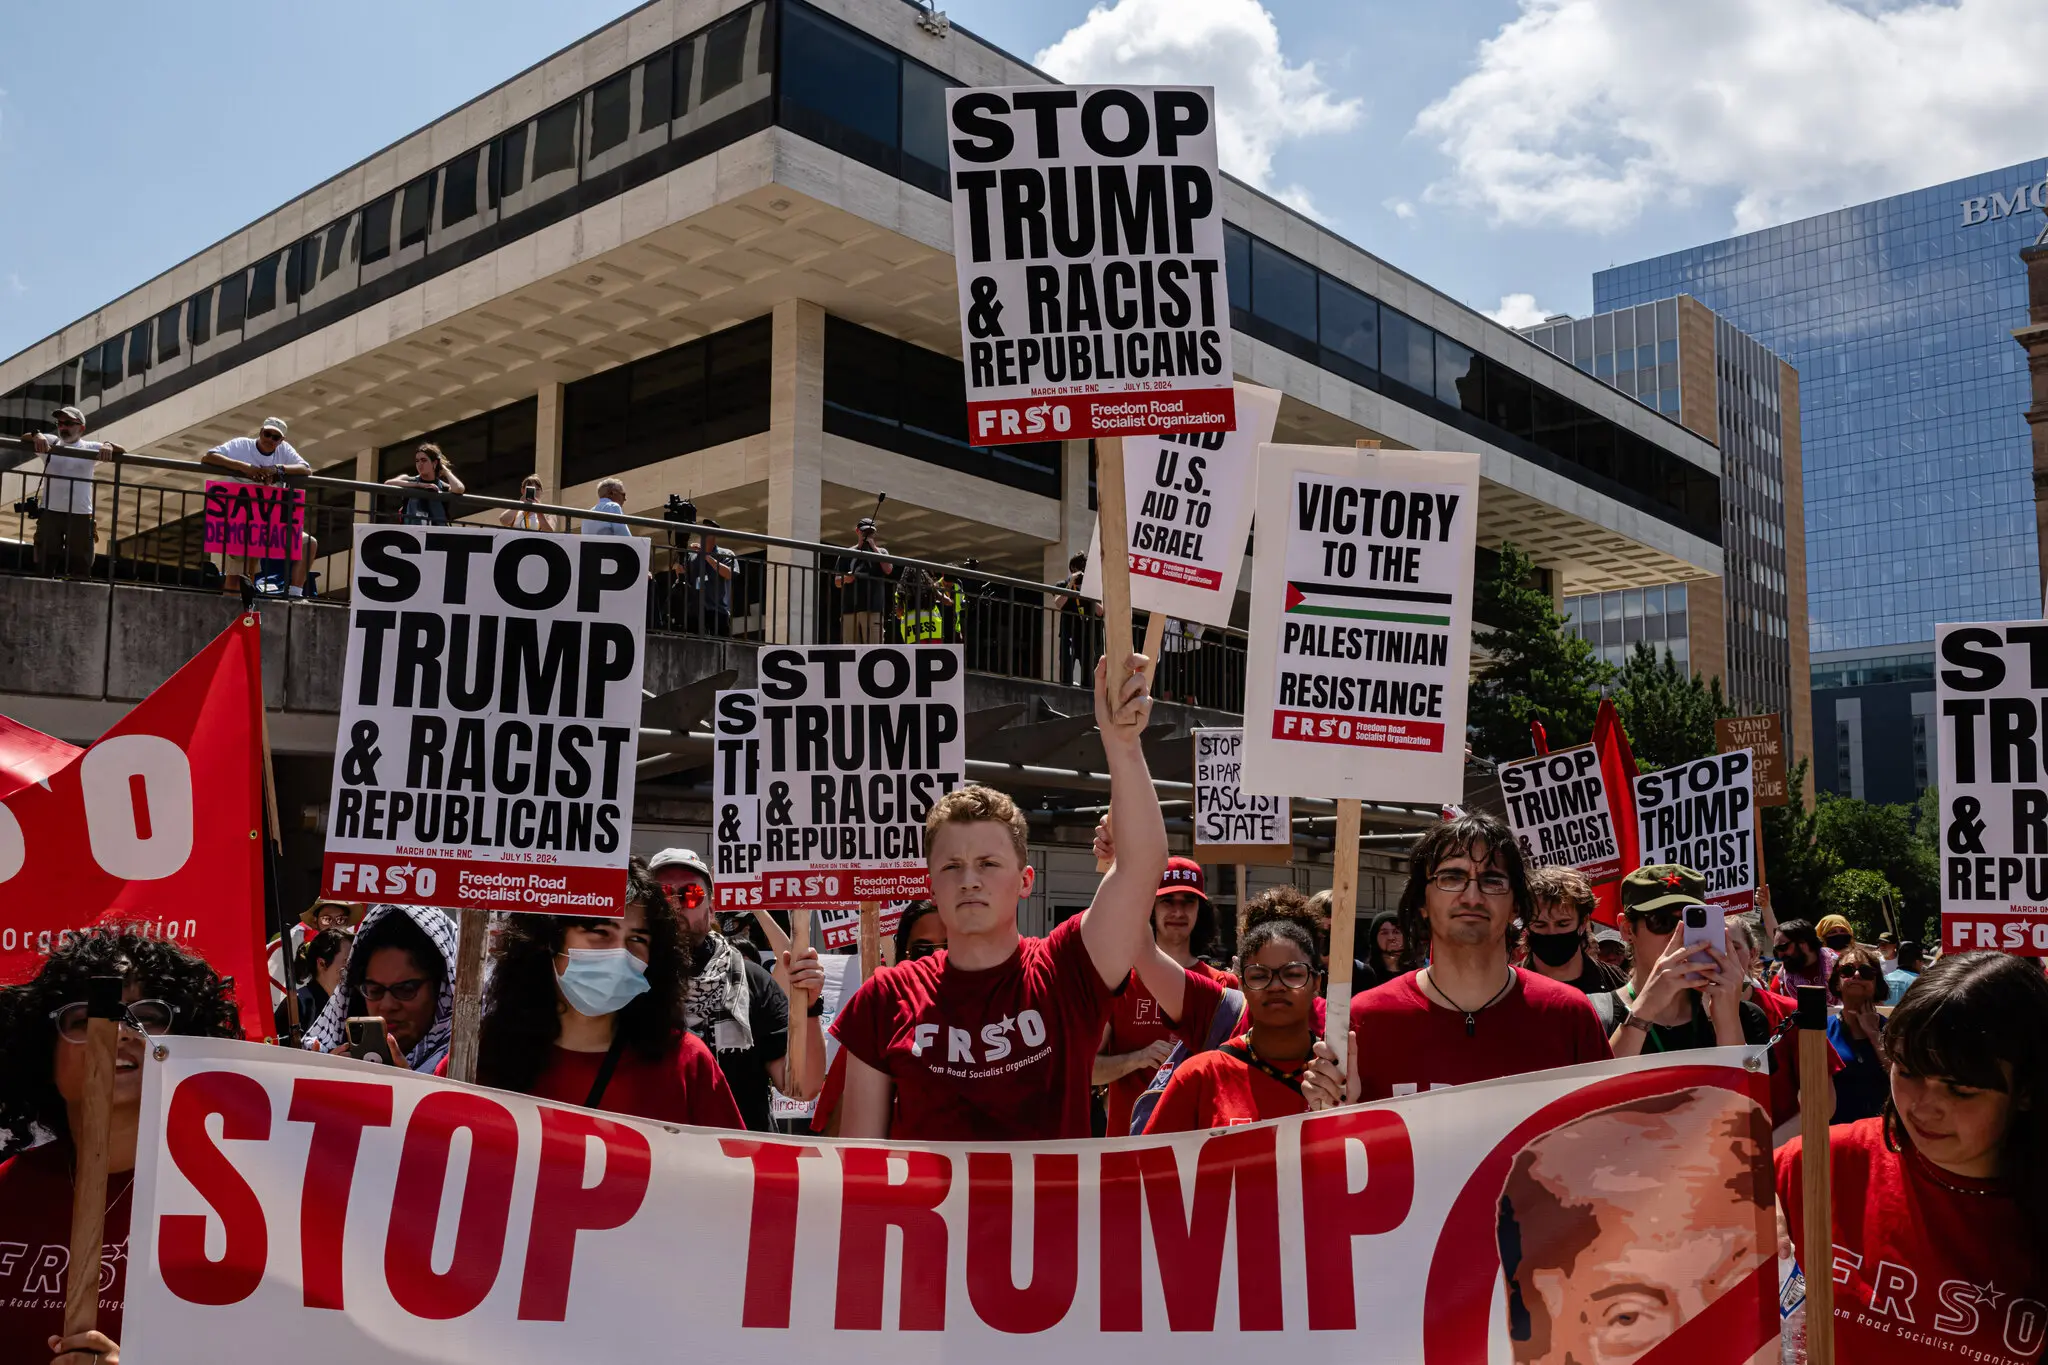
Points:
x=1536 y=670
x=1859 y=895
x=1796 y=863
x=1669 y=715
x=1883 y=840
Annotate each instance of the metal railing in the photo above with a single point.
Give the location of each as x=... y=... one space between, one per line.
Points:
x=148 y=523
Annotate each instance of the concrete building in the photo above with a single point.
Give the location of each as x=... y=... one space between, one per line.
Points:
x=1898 y=316
x=1747 y=628
x=707 y=250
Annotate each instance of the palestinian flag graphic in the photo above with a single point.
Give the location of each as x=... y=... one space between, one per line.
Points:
x=1410 y=606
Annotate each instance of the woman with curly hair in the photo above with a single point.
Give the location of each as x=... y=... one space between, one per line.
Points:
x=590 y=1012
x=42 y=1085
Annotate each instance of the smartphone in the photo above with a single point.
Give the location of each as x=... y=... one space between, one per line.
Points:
x=1705 y=925
x=367 y=1040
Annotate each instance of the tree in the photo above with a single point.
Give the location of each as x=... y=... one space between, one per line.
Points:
x=1535 y=669
x=1882 y=840
x=1858 y=895
x=1797 y=865
x=1669 y=715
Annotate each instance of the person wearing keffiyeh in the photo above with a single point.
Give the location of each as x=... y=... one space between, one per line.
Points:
x=404 y=955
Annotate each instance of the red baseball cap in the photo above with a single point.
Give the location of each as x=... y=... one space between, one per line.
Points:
x=1182 y=874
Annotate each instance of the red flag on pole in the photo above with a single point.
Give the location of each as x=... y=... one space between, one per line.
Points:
x=28 y=755
x=1618 y=772
x=155 y=828
x=1539 y=737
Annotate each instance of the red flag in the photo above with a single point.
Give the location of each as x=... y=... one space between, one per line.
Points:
x=155 y=828
x=1539 y=737
x=1618 y=771
x=28 y=755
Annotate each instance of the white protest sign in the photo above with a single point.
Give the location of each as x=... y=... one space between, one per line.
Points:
x=1088 y=247
x=1361 y=625
x=1702 y=815
x=840 y=927
x=486 y=1227
x=1991 y=697
x=490 y=708
x=1558 y=808
x=860 y=742
x=736 y=798
x=1188 y=498
x=1231 y=825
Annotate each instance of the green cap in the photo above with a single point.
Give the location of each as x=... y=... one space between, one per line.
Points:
x=1661 y=886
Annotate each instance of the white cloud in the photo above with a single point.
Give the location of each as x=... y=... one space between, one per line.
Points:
x=1518 y=311
x=1587 y=112
x=14 y=284
x=1233 y=45
x=1403 y=209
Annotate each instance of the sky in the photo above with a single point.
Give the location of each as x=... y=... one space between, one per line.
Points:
x=1501 y=150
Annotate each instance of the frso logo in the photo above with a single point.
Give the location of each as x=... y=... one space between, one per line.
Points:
x=1989 y=208
x=1029 y=1025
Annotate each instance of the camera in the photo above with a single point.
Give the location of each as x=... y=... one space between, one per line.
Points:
x=30 y=508
x=1695 y=916
x=679 y=509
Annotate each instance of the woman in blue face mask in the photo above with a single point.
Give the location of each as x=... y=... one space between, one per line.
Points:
x=590 y=1012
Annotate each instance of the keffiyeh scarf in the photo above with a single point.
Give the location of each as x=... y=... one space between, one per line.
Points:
x=330 y=1030
x=717 y=995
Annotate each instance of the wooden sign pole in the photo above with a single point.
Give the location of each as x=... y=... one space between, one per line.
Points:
x=1343 y=927
x=1244 y=895
x=870 y=938
x=104 y=1011
x=1155 y=633
x=1816 y=1108
x=799 y=942
x=467 y=1016
x=1113 y=521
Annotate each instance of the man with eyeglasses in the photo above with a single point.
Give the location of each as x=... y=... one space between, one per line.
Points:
x=402 y=970
x=266 y=458
x=64 y=524
x=735 y=1005
x=1470 y=1015
x=1677 y=998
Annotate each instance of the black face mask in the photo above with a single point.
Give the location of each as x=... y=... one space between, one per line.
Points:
x=1838 y=941
x=1554 y=950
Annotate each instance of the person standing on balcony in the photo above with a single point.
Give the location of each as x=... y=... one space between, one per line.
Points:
x=1078 y=625
x=611 y=497
x=863 y=585
x=709 y=573
x=430 y=470
x=266 y=458
x=526 y=518
x=64 y=525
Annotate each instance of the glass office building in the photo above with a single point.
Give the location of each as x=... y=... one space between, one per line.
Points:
x=1898 y=316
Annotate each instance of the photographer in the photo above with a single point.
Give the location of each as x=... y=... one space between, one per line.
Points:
x=525 y=518
x=1678 y=996
x=708 y=572
x=64 y=525
x=863 y=590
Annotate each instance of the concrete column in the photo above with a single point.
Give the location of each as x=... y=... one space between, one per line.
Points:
x=796 y=454
x=547 y=442
x=1077 y=523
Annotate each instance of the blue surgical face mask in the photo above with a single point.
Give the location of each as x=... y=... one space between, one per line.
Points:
x=601 y=981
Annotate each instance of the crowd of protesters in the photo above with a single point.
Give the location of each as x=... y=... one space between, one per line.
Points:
x=1483 y=970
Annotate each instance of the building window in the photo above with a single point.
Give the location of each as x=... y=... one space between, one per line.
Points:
x=138 y=350
x=1284 y=290
x=234 y=302
x=167 y=333
x=199 y=317
x=1350 y=324
x=924 y=114
x=377 y=230
x=330 y=257
x=1407 y=351
x=835 y=71
x=458 y=191
x=702 y=393
x=725 y=55
x=263 y=286
x=658 y=88
x=554 y=141
x=415 y=212
x=611 y=110
x=508 y=164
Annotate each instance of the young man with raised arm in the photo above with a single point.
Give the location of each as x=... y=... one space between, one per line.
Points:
x=994 y=1037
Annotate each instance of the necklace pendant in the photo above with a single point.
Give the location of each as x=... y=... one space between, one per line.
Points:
x=1471 y=1026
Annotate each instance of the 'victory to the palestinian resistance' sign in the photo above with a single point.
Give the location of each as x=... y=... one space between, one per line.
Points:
x=490 y=708
x=1361 y=624
x=1702 y=815
x=857 y=744
x=1991 y=696
x=1088 y=246
x=1558 y=808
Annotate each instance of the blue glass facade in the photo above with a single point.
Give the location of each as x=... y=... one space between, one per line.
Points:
x=1898 y=316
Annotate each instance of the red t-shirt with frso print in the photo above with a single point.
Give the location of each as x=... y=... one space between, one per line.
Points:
x=1005 y=1054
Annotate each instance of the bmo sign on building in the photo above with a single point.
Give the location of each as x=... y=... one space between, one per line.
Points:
x=1989 y=208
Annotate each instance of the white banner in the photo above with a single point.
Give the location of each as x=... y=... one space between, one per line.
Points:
x=341 y=1213
x=1229 y=820
x=1702 y=815
x=1088 y=246
x=839 y=927
x=1991 y=698
x=736 y=798
x=1558 y=808
x=1189 y=500
x=859 y=742
x=490 y=712
x=1361 y=627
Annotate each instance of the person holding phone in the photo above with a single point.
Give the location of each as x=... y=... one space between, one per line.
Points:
x=402 y=971
x=526 y=518
x=1684 y=991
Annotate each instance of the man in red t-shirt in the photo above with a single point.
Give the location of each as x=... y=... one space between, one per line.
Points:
x=994 y=1037
x=1469 y=1015
x=1140 y=1035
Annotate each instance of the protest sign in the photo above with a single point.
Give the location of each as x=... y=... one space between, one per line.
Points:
x=153 y=829
x=1361 y=624
x=1558 y=808
x=1702 y=815
x=1991 y=696
x=489 y=718
x=736 y=795
x=555 y=1236
x=253 y=519
x=1764 y=737
x=860 y=741
x=840 y=925
x=1231 y=825
x=1088 y=248
x=842 y=979
x=1189 y=500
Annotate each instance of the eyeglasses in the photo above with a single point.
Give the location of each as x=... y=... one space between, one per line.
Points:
x=1781 y=947
x=921 y=948
x=1452 y=881
x=1861 y=973
x=150 y=1017
x=405 y=992
x=1656 y=921
x=691 y=894
x=1293 y=976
